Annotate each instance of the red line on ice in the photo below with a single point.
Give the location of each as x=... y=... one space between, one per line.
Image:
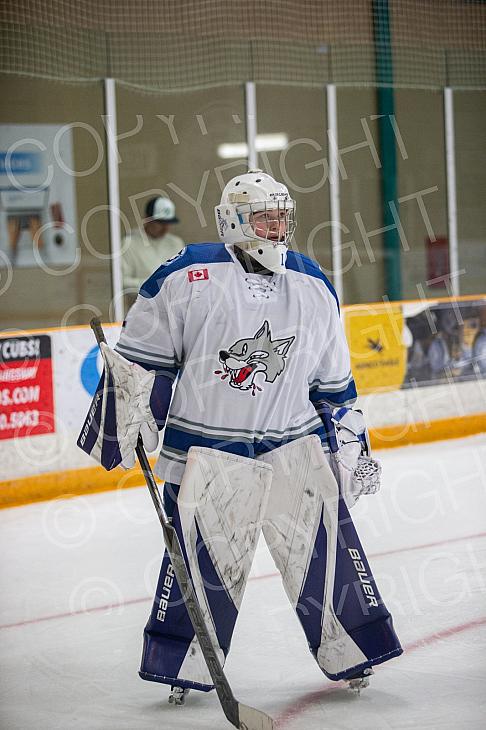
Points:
x=429 y=545
x=313 y=698
x=438 y=543
x=132 y=601
x=68 y=614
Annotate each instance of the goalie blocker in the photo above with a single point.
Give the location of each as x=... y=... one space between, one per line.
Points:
x=223 y=502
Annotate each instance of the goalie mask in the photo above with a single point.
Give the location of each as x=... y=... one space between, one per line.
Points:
x=257 y=214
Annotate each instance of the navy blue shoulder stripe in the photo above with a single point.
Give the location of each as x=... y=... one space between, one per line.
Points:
x=304 y=265
x=194 y=254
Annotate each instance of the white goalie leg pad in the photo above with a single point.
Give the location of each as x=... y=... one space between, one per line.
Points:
x=225 y=497
x=304 y=496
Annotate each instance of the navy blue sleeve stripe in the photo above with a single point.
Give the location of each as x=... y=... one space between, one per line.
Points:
x=160 y=398
x=170 y=370
x=338 y=398
x=304 y=265
x=193 y=255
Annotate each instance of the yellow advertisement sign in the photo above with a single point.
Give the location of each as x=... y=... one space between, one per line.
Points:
x=375 y=337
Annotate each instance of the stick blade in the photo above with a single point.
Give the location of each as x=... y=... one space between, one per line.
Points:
x=251 y=719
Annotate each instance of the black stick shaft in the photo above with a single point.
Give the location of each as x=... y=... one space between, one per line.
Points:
x=228 y=702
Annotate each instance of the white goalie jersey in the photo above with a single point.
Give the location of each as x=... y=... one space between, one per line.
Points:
x=253 y=356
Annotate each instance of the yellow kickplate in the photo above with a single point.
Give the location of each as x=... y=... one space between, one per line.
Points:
x=387 y=437
x=54 y=485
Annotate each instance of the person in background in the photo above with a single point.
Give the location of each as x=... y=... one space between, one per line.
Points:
x=145 y=249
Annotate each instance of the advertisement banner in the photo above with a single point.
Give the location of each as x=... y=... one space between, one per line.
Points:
x=26 y=387
x=47 y=382
x=78 y=366
x=378 y=352
x=409 y=344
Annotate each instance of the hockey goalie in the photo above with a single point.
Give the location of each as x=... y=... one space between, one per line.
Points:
x=236 y=350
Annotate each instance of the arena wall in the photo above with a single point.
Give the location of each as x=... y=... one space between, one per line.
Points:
x=48 y=377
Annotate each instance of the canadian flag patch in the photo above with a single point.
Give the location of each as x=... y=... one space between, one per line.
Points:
x=198 y=274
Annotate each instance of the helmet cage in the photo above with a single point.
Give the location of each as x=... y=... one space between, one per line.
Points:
x=274 y=213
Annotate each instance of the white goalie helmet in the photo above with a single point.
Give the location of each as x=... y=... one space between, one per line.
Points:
x=257 y=214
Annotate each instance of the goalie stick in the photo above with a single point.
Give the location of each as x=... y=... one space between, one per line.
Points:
x=241 y=716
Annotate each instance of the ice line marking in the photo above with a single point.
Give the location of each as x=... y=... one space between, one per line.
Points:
x=313 y=698
x=275 y=574
x=68 y=614
x=383 y=554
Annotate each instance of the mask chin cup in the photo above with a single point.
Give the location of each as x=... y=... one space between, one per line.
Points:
x=271 y=256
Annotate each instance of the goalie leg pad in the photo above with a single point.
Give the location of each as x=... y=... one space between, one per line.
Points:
x=325 y=572
x=218 y=518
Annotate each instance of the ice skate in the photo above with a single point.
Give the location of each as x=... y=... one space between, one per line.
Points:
x=359 y=681
x=178 y=695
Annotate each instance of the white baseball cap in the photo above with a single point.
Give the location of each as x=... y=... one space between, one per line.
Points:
x=161 y=209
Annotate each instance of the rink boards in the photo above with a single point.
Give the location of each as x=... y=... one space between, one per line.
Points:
x=420 y=369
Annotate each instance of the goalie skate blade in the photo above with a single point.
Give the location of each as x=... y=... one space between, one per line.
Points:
x=178 y=696
x=251 y=719
x=356 y=684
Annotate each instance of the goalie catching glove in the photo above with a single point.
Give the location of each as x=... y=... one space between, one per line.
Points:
x=356 y=472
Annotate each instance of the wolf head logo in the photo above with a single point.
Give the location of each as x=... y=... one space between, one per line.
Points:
x=258 y=354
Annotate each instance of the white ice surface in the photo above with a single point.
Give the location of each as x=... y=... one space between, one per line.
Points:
x=77 y=578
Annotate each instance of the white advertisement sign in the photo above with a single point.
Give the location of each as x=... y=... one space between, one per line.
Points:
x=75 y=369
